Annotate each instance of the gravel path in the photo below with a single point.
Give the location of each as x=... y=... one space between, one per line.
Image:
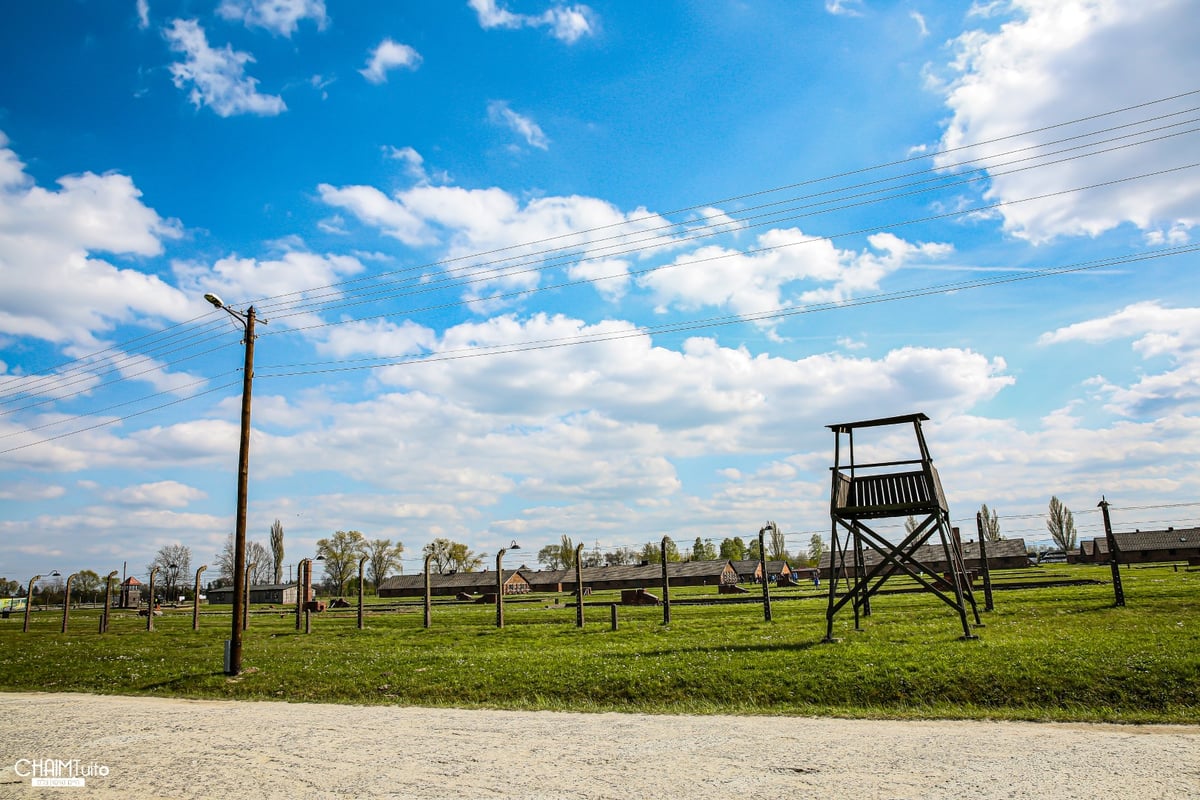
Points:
x=165 y=748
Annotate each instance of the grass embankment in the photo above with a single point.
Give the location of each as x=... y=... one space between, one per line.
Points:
x=1054 y=653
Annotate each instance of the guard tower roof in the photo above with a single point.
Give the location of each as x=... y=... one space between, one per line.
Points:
x=846 y=427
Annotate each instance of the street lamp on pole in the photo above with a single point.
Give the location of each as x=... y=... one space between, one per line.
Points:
x=29 y=597
x=361 y=562
x=67 y=600
x=500 y=582
x=303 y=584
x=233 y=662
x=150 y=602
x=196 y=600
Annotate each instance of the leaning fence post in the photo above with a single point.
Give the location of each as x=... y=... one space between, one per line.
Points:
x=579 y=585
x=983 y=564
x=428 y=594
x=762 y=563
x=1114 y=556
x=666 y=583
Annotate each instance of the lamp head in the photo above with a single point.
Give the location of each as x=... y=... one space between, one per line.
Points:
x=216 y=301
x=514 y=545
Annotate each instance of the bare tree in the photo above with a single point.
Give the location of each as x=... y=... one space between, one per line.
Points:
x=225 y=561
x=256 y=554
x=991 y=524
x=341 y=553
x=383 y=556
x=172 y=560
x=438 y=553
x=277 y=550
x=910 y=524
x=1061 y=524
x=263 y=561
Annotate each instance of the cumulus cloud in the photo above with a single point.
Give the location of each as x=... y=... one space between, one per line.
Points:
x=470 y=221
x=757 y=280
x=143 y=12
x=293 y=279
x=567 y=24
x=1158 y=332
x=389 y=55
x=281 y=17
x=378 y=338
x=169 y=494
x=1058 y=60
x=56 y=288
x=500 y=114
x=217 y=77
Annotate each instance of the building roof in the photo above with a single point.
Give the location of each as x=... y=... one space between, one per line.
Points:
x=257 y=587
x=932 y=553
x=750 y=565
x=451 y=580
x=1169 y=539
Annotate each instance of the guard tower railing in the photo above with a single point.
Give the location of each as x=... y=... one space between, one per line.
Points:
x=868 y=492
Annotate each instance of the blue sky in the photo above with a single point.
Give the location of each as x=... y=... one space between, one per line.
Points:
x=604 y=270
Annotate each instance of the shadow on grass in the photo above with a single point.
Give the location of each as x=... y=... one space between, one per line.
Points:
x=792 y=647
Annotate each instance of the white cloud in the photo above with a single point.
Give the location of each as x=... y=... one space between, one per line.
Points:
x=414 y=165
x=170 y=494
x=378 y=338
x=567 y=24
x=375 y=208
x=54 y=287
x=755 y=281
x=281 y=17
x=601 y=428
x=143 y=12
x=500 y=114
x=26 y=491
x=217 y=77
x=293 y=278
x=471 y=221
x=1063 y=59
x=844 y=8
x=389 y=55
x=919 y=18
x=1158 y=332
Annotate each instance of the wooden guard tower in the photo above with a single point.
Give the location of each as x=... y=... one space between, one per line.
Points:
x=864 y=492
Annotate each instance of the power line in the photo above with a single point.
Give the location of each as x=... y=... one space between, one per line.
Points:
x=52 y=384
x=202 y=331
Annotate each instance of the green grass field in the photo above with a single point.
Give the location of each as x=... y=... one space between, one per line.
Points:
x=1049 y=653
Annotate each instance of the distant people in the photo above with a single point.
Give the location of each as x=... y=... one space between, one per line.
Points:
x=816 y=579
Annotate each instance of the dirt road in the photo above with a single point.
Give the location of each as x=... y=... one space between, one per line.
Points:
x=160 y=748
